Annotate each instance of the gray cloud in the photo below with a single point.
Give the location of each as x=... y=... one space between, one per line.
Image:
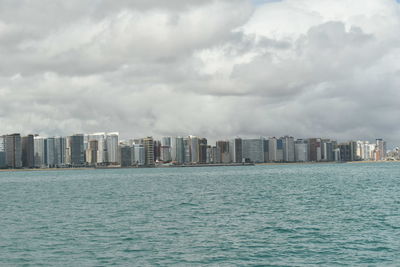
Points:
x=212 y=68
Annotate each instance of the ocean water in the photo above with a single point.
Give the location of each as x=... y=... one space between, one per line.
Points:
x=282 y=215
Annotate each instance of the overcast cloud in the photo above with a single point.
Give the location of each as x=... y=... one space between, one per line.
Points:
x=307 y=68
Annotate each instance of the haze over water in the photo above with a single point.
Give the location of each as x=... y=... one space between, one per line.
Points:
x=311 y=214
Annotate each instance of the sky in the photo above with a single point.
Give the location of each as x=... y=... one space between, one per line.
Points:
x=219 y=69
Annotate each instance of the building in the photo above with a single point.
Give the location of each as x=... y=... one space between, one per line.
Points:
x=348 y=151
x=139 y=158
x=92 y=152
x=194 y=149
x=272 y=146
x=40 y=151
x=75 y=153
x=165 y=149
x=60 y=147
x=13 y=149
x=380 y=150
x=314 y=149
x=102 y=155
x=148 y=144
x=3 y=163
x=253 y=150
x=203 y=150
x=236 y=150
x=301 y=150
x=288 y=148
x=187 y=150
x=266 y=150
x=211 y=154
x=177 y=150
x=222 y=149
x=51 y=152
x=112 y=143
x=28 y=155
x=126 y=156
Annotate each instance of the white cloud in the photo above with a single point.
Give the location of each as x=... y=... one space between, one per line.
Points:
x=214 y=68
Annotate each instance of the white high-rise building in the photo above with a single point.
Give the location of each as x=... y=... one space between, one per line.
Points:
x=288 y=148
x=101 y=145
x=177 y=150
x=40 y=151
x=112 y=147
x=272 y=149
x=194 y=141
x=300 y=151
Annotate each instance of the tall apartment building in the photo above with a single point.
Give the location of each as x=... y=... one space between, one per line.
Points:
x=194 y=149
x=380 y=150
x=28 y=156
x=279 y=150
x=75 y=153
x=288 y=148
x=301 y=150
x=148 y=144
x=272 y=149
x=314 y=149
x=177 y=150
x=203 y=150
x=253 y=150
x=13 y=150
x=126 y=156
x=40 y=151
x=92 y=152
x=222 y=149
x=236 y=150
x=2 y=152
x=139 y=157
x=112 y=141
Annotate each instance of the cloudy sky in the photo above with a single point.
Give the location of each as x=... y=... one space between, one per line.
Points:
x=210 y=68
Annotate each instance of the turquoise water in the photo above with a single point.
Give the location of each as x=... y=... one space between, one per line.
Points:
x=294 y=215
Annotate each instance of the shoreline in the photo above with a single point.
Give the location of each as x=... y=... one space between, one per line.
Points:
x=193 y=166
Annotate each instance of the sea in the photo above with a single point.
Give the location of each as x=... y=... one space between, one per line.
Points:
x=266 y=215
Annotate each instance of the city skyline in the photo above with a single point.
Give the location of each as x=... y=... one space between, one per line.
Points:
x=107 y=149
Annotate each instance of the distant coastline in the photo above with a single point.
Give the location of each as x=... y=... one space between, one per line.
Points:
x=194 y=166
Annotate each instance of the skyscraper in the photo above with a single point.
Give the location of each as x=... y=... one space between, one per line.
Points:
x=272 y=147
x=40 y=151
x=288 y=148
x=149 y=151
x=91 y=152
x=301 y=150
x=112 y=141
x=194 y=149
x=60 y=146
x=253 y=150
x=139 y=155
x=75 y=153
x=126 y=156
x=51 y=152
x=236 y=150
x=314 y=149
x=165 y=149
x=177 y=150
x=380 y=149
x=2 y=152
x=203 y=150
x=13 y=150
x=223 y=155
x=28 y=156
